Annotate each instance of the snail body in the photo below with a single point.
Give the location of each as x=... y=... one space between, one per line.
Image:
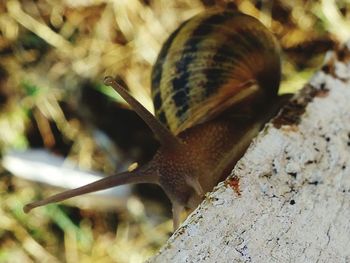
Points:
x=213 y=85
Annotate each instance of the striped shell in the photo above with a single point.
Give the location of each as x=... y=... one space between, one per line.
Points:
x=209 y=64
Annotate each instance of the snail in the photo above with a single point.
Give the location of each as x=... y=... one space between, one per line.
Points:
x=214 y=84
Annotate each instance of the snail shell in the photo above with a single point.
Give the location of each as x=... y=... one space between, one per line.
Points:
x=209 y=63
x=218 y=62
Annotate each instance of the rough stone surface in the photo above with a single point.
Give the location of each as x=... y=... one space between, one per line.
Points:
x=288 y=198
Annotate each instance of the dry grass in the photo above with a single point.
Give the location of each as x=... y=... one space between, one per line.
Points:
x=51 y=50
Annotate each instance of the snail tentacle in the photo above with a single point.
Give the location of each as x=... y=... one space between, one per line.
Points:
x=164 y=136
x=144 y=174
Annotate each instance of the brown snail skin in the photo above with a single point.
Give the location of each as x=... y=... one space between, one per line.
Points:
x=214 y=84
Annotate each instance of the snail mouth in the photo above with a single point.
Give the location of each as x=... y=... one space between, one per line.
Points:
x=227 y=97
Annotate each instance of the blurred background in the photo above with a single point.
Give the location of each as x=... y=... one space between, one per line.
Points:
x=56 y=114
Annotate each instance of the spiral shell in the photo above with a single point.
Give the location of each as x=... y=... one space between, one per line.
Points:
x=209 y=63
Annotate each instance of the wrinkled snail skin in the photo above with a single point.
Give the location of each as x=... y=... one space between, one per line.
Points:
x=214 y=84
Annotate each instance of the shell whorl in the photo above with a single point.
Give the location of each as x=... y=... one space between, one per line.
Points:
x=207 y=64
